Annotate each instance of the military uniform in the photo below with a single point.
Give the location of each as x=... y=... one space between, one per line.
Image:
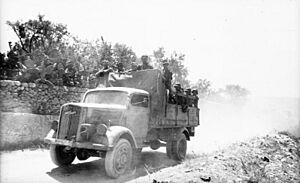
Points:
x=168 y=76
x=189 y=98
x=145 y=65
x=178 y=94
x=196 y=98
x=103 y=75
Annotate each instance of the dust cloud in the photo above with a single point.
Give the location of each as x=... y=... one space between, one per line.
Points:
x=225 y=122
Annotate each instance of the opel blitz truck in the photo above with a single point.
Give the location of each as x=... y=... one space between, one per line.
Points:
x=116 y=122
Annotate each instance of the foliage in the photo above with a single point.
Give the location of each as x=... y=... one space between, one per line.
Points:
x=51 y=53
x=176 y=65
x=124 y=55
x=39 y=34
x=236 y=91
x=9 y=66
x=204 y=87
x=159 y=55
x=92 y=54
x=40 y=46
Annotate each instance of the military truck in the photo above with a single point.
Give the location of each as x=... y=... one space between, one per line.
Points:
x=116 y=122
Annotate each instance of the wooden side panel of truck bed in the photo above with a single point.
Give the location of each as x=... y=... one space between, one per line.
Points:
x=175 y=116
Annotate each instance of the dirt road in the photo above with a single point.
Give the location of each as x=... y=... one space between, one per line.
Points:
x=36 y=166
x=31 y=166
x=221 y=125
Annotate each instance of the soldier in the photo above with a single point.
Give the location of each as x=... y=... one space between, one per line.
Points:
x=184 y=100
x=134 y=67
x=196 y=98
x=167 y=78
x=178 y=94
x=69 y=75
x=189 y=97
x=103 y=75
x=120 y=68
x=145 y=63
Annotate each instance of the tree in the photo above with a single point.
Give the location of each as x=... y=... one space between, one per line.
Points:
x=159 y=55
x=91 y=54
x=106 y=51
x=236 y=91
x=124 y=54
x=179 y=70
x=176 y=65
x=39 y=34
x=204 y=87
x=43 y=41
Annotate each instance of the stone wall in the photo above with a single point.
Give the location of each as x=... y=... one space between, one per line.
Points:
x=36 y=98
x=20 y=130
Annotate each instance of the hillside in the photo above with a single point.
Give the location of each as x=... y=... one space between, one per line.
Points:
x=270 y=158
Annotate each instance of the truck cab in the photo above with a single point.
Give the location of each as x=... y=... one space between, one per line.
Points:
x=117 y=122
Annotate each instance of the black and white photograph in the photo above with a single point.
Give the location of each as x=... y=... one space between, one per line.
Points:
x=150 y=91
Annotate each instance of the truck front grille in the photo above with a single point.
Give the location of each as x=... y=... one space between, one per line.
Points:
x=69 y=122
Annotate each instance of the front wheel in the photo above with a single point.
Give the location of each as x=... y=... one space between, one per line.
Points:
x=119 y=160
x=176 y=149
x=60 y=156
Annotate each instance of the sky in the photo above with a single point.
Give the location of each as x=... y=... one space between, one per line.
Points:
x=255 y=44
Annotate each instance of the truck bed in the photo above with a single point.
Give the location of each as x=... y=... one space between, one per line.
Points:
x=162 y=114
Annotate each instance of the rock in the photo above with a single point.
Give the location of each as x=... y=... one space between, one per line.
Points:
x=55 y=101
x=32 y=85
x=3 y=83
x=17 y=83
x=25 y=84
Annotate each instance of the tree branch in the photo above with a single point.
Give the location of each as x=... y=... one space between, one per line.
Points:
x=30 y=43
x=22 y=44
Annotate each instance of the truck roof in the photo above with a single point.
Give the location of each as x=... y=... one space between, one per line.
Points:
x=123 y=89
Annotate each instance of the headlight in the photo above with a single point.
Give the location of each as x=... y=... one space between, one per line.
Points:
x=101 y=129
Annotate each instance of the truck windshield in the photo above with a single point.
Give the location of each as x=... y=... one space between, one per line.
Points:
x=107 y=97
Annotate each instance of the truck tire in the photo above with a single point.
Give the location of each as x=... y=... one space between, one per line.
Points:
x=59 y=156
x=176 y=149
x=119 y=160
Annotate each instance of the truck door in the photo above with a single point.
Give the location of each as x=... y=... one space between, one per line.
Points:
x=138 y=116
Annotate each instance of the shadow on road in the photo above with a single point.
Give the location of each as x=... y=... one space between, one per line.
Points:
x=94 y=171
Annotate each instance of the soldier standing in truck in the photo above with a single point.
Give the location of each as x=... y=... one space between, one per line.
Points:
x=167 y=78
x=145 y=63
x=103 y=75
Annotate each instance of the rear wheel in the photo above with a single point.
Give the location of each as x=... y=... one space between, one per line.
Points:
x=119 y=160
x=60 y=156
x=176 y=149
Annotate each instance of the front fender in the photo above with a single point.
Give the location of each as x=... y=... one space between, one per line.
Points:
x=114 y=133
